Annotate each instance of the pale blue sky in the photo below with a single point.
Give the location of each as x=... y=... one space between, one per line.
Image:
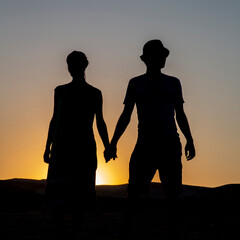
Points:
x=203 y=38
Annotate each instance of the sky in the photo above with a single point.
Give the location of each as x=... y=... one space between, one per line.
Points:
x=203 y=38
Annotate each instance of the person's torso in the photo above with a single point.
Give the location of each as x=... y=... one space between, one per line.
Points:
x=155 y=102
x=76 y=108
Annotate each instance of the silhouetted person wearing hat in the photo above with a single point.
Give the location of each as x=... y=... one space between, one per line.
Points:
x=159 y=101
x=71 y=148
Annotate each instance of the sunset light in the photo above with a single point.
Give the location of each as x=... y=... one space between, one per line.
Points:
x=153 y=84
x=99 y=179
x=204 y=55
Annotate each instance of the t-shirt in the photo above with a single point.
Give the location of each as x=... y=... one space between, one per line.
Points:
x=155 y=100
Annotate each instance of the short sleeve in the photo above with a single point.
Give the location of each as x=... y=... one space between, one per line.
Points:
x=130 y=97
x=178 y=93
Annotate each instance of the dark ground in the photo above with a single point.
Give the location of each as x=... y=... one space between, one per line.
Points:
x=205 y=213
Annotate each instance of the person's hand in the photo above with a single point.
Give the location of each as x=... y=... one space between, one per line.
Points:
x=190 y=150
x=46 y=156
x=110 y=152
x=107 y=154
x=113 y=150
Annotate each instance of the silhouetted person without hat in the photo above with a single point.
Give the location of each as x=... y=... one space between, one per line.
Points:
x=71 y=148
x=158 y=98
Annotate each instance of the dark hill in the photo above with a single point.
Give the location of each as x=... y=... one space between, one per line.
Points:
x=28 y=192
x=204 y=213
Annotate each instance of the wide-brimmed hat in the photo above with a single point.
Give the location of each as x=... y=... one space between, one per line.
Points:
x=154 y=47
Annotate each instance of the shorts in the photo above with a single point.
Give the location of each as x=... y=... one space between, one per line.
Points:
x=150 y=155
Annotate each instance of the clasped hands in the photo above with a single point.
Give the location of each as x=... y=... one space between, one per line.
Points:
x=110 y=152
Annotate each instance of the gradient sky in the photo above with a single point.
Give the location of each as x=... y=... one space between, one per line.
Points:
x=203 y=37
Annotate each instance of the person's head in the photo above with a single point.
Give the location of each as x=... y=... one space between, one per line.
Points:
x=77 y=63
x=154 y=54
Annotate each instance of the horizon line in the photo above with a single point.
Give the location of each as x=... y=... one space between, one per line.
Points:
x=44 y=179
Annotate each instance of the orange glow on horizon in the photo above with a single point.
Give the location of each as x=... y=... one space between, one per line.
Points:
x=99 y=179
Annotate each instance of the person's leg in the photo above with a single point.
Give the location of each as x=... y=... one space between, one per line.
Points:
x=59 y=226
x=141 y=172
x=84 y=200
x=170 y=171
x=130 y=208
x=58 y=203
x=77 y=222
x=172 y=212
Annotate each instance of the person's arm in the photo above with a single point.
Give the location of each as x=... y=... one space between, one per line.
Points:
x=51 y=130
x=101 y=125
x=47 y=152
x=121 y=126
x=184 y=127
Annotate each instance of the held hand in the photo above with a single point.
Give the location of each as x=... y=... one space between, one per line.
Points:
x=106 y=154
x=113 y=149
x=110 y=152
x=46 y=156
x=190 y=150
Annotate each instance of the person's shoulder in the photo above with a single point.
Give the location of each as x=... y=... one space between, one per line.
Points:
x=174 y=81
x=171 y=78
x=62 y=87
x=137 y=79
x=93 y=89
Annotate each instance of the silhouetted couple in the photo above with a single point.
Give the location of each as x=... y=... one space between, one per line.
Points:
x=71 y=148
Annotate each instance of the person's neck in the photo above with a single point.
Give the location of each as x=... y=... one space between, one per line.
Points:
x=79 y=80
x=153 y=72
